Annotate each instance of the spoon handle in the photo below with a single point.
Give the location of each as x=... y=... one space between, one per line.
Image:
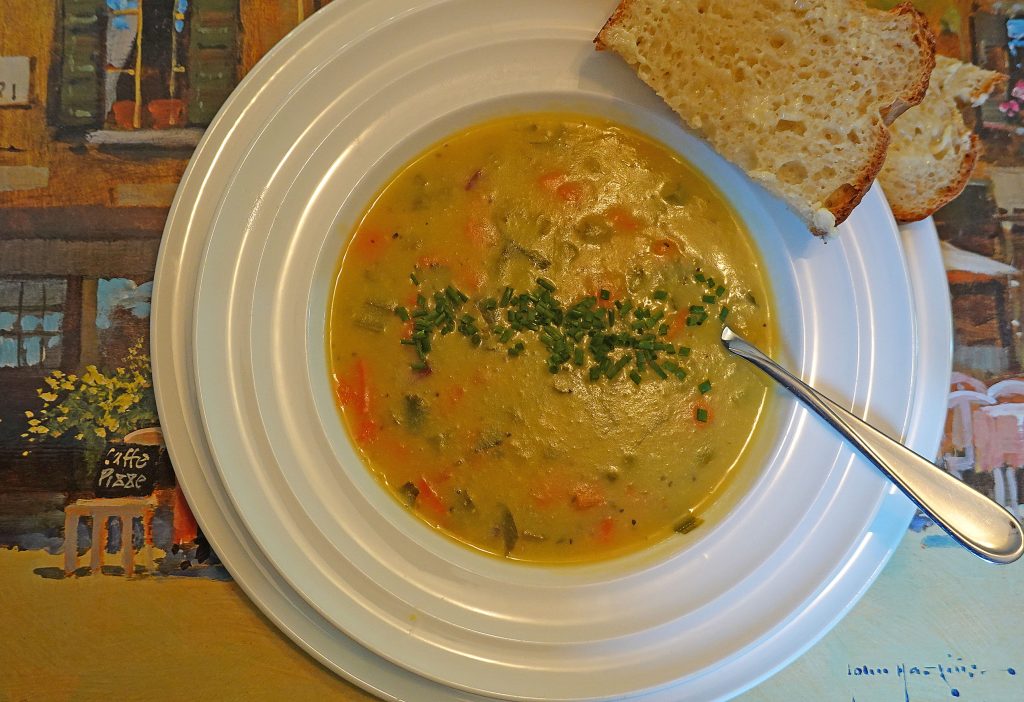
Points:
x=978 y=523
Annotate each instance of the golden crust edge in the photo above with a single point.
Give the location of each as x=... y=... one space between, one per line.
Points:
x=616 y=16
x=942 y=197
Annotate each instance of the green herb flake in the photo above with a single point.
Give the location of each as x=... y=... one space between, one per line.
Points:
x=688 y=524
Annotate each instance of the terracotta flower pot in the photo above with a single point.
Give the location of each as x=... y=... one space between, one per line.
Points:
x=167 y=114
x=124 y=114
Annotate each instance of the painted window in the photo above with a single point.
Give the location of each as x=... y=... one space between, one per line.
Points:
x=31 y=322
x=135 y=64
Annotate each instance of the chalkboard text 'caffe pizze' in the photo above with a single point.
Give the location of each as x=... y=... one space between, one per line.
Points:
x=128 y=470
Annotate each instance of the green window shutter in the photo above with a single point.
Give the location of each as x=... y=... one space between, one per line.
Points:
x=212 y=57
x=80 y=95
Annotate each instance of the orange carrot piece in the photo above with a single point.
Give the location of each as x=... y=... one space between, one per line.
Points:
x=664 y=247
x=606 y=530
x=370 y=244
x=570 y=192
x=677 y=326
x=354 y=394
x=551 y=180
x=586 y=495
x=429 y=499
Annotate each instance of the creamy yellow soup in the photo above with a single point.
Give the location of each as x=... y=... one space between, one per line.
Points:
x=523 y=336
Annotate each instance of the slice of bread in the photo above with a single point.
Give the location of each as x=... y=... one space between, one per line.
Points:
x=796 y=92
x=933 y=151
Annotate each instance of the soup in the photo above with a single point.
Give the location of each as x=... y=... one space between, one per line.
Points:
x=524 y=338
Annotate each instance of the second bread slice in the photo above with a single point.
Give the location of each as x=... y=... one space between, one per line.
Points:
x=933 y=151
x=796 y=92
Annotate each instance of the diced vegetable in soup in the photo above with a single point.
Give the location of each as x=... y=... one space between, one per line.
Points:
x=524 y=339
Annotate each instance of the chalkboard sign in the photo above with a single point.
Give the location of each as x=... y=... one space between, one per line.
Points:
x=130 y=470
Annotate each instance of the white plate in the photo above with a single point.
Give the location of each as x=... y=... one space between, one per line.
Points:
x=238 y=320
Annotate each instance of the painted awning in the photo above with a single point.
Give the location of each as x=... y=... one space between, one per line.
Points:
x=967 y=267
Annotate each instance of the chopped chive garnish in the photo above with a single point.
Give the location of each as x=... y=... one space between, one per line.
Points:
x=720 y=290
x=723 y=314
x=419 y=366
x=583 y=334
x=702 y=414
x=711 y=283
x=704 y=387
x=619 y=365
x=699 y=278
x=414 y=279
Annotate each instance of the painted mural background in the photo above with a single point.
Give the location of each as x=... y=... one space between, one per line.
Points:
x=101 y=103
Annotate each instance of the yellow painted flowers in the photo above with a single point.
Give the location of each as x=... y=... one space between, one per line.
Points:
x=95 y=406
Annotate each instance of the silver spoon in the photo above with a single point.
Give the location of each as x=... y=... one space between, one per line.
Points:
x=978 y=523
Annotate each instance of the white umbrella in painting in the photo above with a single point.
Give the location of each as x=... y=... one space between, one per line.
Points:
x=960 y=261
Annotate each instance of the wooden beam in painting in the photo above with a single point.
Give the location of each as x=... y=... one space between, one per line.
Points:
x=82 y=223
x=89 y=348
x=71 y=343
x=111 y=258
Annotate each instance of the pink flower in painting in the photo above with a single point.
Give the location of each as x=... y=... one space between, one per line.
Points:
x=1018 y=90
x=1010 y=108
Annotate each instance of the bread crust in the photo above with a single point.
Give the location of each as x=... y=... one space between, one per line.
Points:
x=925 y=40
x=845 y=198
x=903 y=214
x=620 y=10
